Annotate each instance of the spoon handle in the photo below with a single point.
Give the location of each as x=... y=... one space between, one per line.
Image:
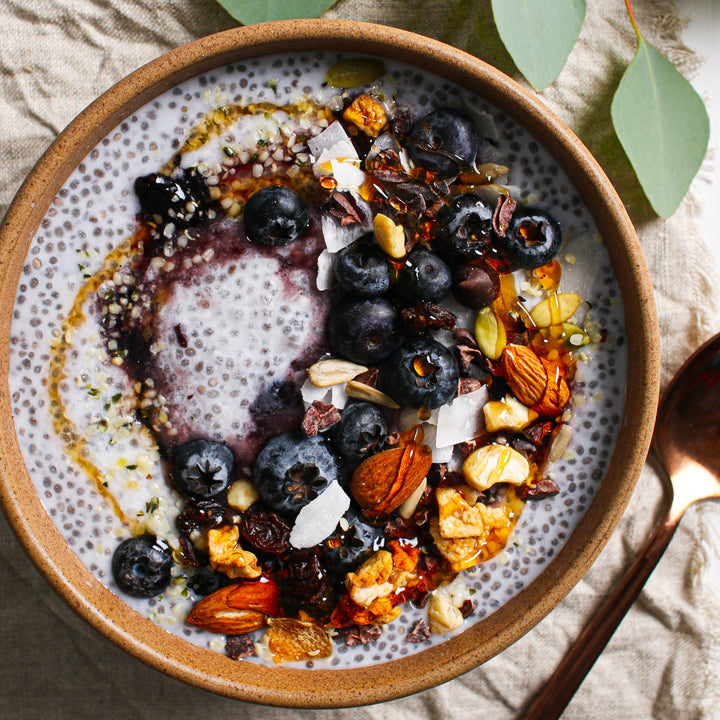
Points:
x=568 y=677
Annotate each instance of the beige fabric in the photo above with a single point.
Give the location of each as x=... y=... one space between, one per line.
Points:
x=58 y=55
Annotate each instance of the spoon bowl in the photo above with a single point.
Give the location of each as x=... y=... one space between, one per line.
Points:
x=686 y=440
x=686 y=443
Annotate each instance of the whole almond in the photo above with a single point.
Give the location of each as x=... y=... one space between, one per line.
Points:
x=236 y=609
x=557 y=392
x=525 y=373
x=384 y=481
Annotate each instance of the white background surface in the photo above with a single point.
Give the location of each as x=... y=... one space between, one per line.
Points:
x=702 y=35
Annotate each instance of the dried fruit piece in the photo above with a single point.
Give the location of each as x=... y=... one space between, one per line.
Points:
x=493 y=464
x=289 y=639
x=361 y=391
x=555 y=309
x=226 y=555
x=367 y=114
x=490 y=333
x=390 y=237
x=325 y=373
x=525 y=373
x=384 y=481
x=236 y=609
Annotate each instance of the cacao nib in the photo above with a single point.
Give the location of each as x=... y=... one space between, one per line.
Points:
x=360 y=634
x=542 y=488
x=419 y=632
x=318 y=417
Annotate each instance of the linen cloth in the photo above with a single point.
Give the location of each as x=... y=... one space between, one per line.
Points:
x=56 y=56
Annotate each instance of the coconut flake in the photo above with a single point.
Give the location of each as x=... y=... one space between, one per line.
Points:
x=462 y=419
x=319 y=518
x=332 y=142
x=310 y=393
x=348 y=175
x=324 y=270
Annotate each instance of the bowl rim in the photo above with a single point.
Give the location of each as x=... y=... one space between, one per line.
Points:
x=333 y=688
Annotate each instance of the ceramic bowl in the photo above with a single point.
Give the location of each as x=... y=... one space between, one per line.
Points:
x=85 y=175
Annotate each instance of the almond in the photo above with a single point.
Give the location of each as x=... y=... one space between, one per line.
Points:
x=557 y=392
x=555 y=309
x=525 y=373
x=384 y=481
x=331 y=371
x=236 y=609
x=289 y=639
x=361 y=391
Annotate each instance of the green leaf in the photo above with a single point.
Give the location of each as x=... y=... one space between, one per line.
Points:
x=662 y=125
x=254 y=11
x=539 y=34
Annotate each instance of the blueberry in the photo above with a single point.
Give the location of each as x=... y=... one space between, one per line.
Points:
x=532 y=239
x=423 y=277
x=202 y=468
x=347 y=548
x=465 y=228
x=275 y=215
x=206 y=581
x=422 y=373
x=292 y=469
x=141 y=566
x=181 y=199
x=362 y=430
x=476 y=286
x=443 y=142
x=364 y=330
x=362 y=269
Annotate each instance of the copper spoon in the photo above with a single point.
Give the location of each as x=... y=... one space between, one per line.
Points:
x=686 y=442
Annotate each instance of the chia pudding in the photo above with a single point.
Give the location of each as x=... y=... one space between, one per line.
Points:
x=338 y=356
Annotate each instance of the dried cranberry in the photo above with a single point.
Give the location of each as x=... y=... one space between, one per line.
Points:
x=265 y=530
x=308 y=577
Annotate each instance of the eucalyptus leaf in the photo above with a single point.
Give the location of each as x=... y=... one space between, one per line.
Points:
x=662 y=125
x=539 y=34
x=249 y=12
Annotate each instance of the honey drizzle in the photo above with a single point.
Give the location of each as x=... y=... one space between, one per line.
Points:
x=76 y=446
